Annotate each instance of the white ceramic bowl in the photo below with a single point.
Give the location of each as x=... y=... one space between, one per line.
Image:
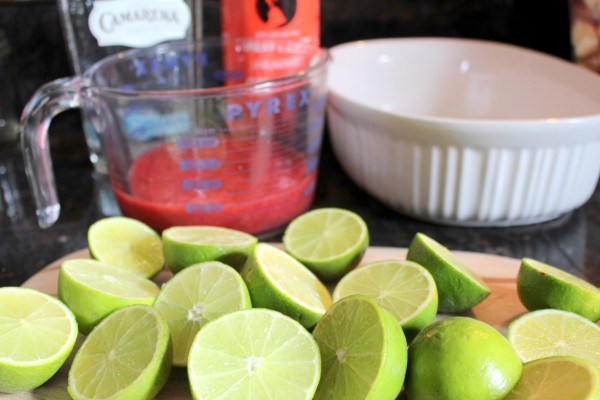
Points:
x=465 y=132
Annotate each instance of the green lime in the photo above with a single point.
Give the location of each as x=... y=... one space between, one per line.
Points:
x=459 y=288
x=363 y=351
x=461 y=358
x=404 y=288
x=195 y=296
x=92 y=290
x=188 y=245
x=254 y=354
x=127 y=356
x=557 y=378
x=278 y=281
x=37 y=334
x=543 y=286
x=329 y=241
x=128 y=244
x=546 y=333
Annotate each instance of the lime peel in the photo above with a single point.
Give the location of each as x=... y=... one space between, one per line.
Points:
x=452 y=348
x=459 y=288
x=278 y=281
x=541 y=286
x=188 y=245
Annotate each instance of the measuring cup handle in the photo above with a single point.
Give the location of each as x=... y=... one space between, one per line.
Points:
x=48 y=101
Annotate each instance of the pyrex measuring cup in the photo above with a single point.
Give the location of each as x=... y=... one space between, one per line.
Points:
x=188 y=140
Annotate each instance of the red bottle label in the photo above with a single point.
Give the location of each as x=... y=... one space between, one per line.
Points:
x=270 y=32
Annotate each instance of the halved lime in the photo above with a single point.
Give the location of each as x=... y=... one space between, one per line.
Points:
x=404 y=288
x=459 y=288
x=195 y=296
x=127 y=356
x=557 y=378
x=543 y=286
x=278 y=281
x=461 y=358
x=187 y=245
x=254 y=354
x=126 y=243
x=363 y=351
x=37 y=334
x=92 y=290
x=546 y=333
x=329 y=241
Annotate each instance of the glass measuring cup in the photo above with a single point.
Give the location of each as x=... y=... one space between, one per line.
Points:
x=188 y=139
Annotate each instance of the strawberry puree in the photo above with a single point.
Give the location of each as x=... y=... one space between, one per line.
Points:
x=249 y=184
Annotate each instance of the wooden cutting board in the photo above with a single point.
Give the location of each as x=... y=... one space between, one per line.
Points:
x=498 y=309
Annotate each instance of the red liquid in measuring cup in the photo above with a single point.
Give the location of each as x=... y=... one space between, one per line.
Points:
x=254 y=185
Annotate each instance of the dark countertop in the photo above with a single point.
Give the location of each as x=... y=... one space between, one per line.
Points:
x=571 y=242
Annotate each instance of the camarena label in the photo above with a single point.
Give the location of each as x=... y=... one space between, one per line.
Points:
x=138 y=23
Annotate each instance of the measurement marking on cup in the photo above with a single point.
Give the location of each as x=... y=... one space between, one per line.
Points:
x=310 y=188
x=208 y=208
x=197 y=142
x=207 y=164
x=201 y=184
x=311 y=164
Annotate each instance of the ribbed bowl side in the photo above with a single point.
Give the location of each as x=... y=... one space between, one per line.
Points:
x=495 y=186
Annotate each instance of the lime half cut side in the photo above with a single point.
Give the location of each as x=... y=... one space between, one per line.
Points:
x=329 y=241
x=126 y=243
x=92 y=290
x=557 y=378
x=404 y=288
x=195 y=296
x=37 y=334
x=189 y=245
x=363 y=350
x=254 y=354
x=127 y=356
x=279 y=282
x=546 y=333
x=540 y=286
x=459 y=288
